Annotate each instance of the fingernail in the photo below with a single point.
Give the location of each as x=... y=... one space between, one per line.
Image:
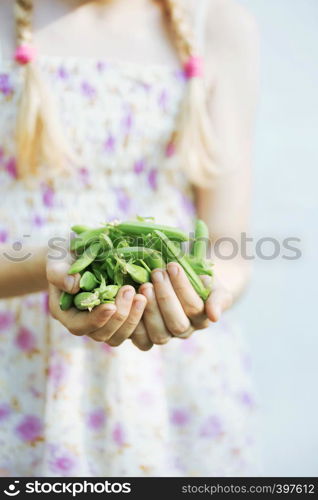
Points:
x=69 y=283
x=139 y=305
x=173 y=270
x=158 y=277
x=148 y=292
x=128 y=294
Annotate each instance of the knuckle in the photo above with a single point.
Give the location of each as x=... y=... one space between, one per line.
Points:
x=120 y=316
x=193 y=310
x=178 y=328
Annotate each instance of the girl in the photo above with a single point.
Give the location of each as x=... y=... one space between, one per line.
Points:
x=107 y=112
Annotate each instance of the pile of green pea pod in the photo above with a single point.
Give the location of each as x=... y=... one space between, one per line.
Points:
x=121 y=253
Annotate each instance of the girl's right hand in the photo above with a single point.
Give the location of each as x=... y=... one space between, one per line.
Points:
x=110 y=323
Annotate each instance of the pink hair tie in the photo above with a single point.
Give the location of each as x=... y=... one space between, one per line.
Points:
x=24 y=54
x=193 y=67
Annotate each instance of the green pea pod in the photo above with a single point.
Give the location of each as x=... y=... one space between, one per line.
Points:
x=85 y=259
x=109 y=293
x=201 y=241
x=132 y=253
x=87 y=238
x=78 y=229
x=88 y=281
x=86 y=300
x=203 y=266
x=145 y=227
x=66 y=301
x=137 y=273
x=156 y=261
x=172 y=253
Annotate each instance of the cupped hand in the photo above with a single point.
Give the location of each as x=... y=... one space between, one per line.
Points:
x=111 y=323
x=174 y=309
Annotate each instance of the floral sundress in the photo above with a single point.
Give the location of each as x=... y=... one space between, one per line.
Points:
x=70 y=406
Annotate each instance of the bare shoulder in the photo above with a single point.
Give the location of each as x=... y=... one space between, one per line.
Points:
x=230 y=25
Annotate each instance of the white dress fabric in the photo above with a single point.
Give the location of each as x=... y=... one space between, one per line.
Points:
x=70 y=406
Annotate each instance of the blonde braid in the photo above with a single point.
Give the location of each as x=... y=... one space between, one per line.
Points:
x=38 y=134
x=194 y=138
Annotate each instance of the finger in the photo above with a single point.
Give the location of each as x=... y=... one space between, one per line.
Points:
x=190 y=301
x=123 y=304
x=56 y=274
x=170 y=307
x=79 y=322
x=140 y=338
x=128 y=327
x=152 y=317
x=219 y=300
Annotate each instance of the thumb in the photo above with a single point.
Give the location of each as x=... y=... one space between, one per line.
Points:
x=57 y=275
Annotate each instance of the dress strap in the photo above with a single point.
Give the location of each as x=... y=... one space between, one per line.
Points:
x=200 y=23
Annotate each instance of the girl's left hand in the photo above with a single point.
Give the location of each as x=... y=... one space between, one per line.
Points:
x=174 y=309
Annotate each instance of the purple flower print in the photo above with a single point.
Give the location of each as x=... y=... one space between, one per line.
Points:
x=62 y=464
x=247 y=399
x=1 y=153
x=118 y=434
x=62 y=73
x=170 y=149
x=187 y=204
x=30 y=428
x=48 y=196
x=6 y=320
x=3 y=235
x=139 y=166
x=88 y=90
x=5 y=411
x=163 y=100
x=123 y=200
x=179 y=417
x=5 y=84
x=25 y=340
x=11 y=168
x=38 y=221
x=127 y=122
x=83 y=173
x=109 y=144
x=101 y=66
x=96 y=419
x=180 y=75
x=212 y=427
x=153 y=179
x=57 y=372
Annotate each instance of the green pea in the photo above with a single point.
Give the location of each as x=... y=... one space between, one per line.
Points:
x=109 y=293
x=86 y=259
x=137 y=273
x=88 y=281
x=66 y=301
x=86 y=300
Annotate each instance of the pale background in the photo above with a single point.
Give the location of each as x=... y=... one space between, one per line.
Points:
x=280 y=309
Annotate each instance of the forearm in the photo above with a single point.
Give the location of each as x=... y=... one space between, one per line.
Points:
x=234 y=275
x=22 y=277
